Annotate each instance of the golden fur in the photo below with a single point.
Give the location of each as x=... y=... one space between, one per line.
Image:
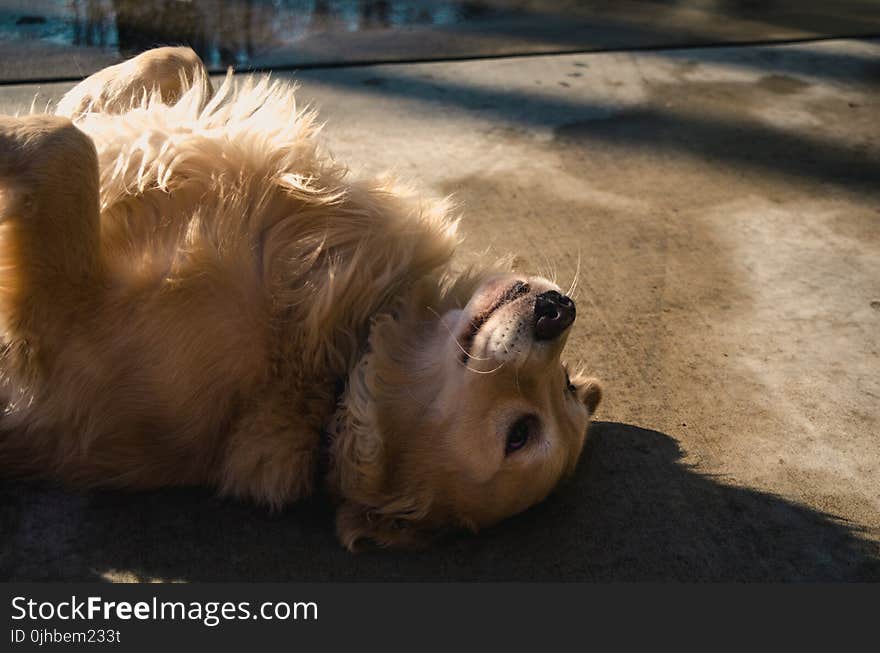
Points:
x=186 y=279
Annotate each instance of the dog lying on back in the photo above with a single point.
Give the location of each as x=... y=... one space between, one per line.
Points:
x=192 y=293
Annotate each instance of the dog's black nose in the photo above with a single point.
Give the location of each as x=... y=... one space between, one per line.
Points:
x=554 y=313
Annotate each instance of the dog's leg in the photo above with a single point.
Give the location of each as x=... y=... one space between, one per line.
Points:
x=49 y=228
x=272 y=455
x=167 y=71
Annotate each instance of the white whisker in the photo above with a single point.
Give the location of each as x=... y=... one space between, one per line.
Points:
x=455 y=338
x=547 y=272
x=577 y=275
x=471 y=369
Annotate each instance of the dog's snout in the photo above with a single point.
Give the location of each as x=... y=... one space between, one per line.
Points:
x=554 y=313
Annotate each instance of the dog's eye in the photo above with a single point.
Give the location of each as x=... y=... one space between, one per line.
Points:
x=520 y=433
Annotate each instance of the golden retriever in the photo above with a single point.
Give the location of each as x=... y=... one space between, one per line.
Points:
x=192 y=292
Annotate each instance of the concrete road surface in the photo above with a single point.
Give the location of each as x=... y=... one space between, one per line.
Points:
x=723 y=208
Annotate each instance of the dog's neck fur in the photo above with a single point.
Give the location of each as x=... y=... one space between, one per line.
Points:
x=424 y=293
x=386 y=394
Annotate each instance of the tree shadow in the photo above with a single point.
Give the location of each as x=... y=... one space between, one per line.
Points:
x=824 y=61
x=675 y=119
x=633 y=511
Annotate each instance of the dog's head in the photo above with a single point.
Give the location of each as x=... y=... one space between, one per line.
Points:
x=459 y=417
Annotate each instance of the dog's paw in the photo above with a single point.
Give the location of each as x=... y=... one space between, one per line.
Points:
x=35 y=149
x=164 y=73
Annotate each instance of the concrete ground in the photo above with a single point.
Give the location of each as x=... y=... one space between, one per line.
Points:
x=724 y=209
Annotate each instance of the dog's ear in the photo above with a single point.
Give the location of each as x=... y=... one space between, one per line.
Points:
x=383 y=499
x=588 y=392
x=375 y=507
x=375 y=504
x=358 y=525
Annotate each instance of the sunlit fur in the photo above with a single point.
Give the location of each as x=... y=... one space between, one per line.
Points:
x=186 y=279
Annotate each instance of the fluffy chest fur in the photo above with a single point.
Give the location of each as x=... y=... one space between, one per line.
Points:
x=238 y=272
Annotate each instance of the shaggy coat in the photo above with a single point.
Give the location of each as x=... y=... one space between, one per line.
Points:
x=192 y=292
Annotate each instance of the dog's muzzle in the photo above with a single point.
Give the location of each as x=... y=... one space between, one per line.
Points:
x=554 y=313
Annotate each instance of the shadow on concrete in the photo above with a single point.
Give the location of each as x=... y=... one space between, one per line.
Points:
x=683 y=125
x=633 y=511
x=737 y=143
x=822 y=62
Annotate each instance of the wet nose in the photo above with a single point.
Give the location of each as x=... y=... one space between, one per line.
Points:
x=554 y=313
